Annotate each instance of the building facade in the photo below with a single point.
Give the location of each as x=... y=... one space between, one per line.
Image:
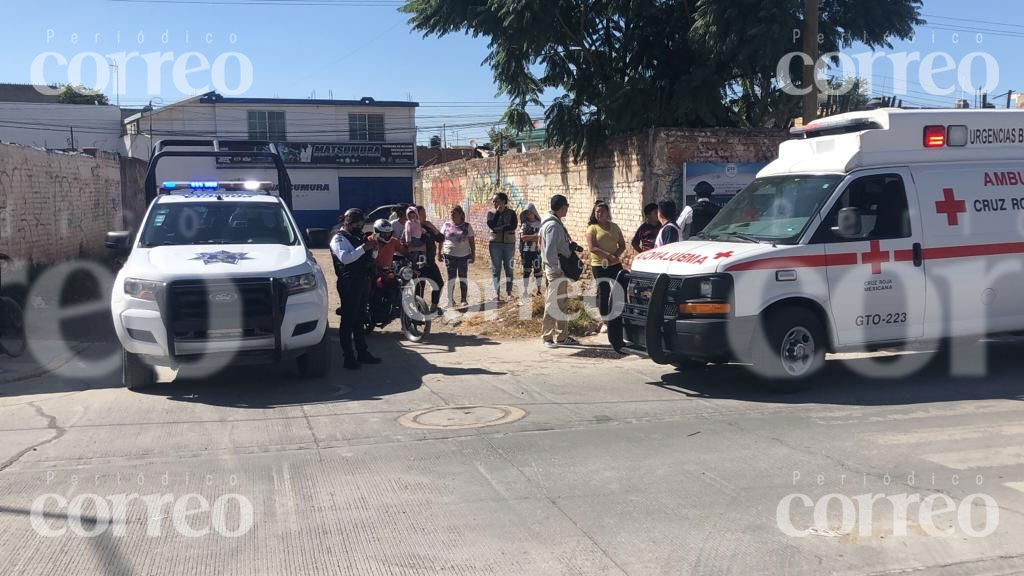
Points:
x=340 y=154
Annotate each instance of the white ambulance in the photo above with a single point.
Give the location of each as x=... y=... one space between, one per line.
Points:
x=871 y=229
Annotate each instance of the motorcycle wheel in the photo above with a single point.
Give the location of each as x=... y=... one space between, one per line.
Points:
x=415 y=330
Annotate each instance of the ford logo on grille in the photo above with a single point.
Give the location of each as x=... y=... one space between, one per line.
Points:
x=223 y=297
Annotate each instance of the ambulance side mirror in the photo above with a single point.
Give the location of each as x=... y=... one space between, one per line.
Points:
x=849 y=223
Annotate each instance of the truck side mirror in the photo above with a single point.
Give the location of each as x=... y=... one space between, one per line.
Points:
x=119 y=241
x=317 y=237
x=849 y=223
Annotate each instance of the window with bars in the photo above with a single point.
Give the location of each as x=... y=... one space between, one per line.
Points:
x=366 y=127
x=266 y=125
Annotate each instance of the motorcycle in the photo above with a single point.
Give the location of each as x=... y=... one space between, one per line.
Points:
x=393 y=295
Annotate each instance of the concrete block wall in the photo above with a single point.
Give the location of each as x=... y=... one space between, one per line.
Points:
x=631 y=172
x=54 y=206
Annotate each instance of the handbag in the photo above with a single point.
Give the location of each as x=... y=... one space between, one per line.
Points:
x=572 y=265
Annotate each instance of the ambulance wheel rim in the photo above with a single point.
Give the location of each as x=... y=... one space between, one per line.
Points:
x=797 y=351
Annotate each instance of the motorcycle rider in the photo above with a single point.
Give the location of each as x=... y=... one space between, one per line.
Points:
x=387 y=244
x=352 y=254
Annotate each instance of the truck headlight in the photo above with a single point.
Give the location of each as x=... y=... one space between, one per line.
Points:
x=300 y=283
x=142 y=289
x=706 y=288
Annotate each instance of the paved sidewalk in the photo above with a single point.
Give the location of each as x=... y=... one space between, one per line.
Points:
x=40 y=357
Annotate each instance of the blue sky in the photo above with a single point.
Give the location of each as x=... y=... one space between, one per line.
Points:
x=349 y=50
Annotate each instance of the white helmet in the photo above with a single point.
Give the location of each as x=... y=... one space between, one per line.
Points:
x=383 y=228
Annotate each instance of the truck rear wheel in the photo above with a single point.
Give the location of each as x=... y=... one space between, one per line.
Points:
x=316 y=362
x=792 y=348
x=136 y=374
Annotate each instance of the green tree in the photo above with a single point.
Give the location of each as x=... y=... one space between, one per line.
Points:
x=624 y=65
x=747 y=39
x=80 y=95
x=502 y=140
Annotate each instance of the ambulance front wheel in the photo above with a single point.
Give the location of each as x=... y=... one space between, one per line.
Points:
x=793 y=346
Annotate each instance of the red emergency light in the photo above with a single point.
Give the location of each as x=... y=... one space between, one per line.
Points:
x=934 y=136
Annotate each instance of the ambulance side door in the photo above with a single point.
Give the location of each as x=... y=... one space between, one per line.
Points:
x=875 y=274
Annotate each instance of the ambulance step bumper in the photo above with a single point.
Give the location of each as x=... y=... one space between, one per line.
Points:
x=700 y=338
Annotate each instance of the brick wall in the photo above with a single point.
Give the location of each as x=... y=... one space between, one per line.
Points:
x=56 y=206
x=631 y=172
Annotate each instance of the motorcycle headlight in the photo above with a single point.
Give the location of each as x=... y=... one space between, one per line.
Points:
x=406 y=274
x=300 y=283
x=142 y=289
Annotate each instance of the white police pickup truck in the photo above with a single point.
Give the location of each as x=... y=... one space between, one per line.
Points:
x=218 y=274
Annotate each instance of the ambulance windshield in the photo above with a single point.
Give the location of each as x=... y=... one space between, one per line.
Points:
x=775 y=209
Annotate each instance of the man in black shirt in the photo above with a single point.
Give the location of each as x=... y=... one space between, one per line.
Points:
x=647 y=233
x=431 y=271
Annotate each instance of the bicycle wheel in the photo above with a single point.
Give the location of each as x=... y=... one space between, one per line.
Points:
x=12 y=328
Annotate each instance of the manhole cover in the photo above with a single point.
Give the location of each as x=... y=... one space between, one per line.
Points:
x=460 y=417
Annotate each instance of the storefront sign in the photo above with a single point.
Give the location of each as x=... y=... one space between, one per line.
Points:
x=326 y=154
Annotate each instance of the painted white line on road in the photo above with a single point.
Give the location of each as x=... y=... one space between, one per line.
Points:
x=875 y=414
x=980 y=458
x=945 y=434
x=1018 y=486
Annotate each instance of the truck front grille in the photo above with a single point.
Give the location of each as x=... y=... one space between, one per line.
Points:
x=225 y=308
x=639 y=291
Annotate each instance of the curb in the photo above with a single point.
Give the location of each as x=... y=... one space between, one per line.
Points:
x=42 y=369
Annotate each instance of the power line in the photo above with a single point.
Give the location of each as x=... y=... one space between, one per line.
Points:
x=1004 y=24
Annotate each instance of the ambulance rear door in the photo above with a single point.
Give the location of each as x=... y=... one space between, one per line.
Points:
x=973 y=214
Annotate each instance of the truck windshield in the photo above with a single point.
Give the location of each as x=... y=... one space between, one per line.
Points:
x=175 y=224
x=774 y=209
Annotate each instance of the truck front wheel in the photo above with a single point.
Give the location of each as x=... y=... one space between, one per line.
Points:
x=316 y=362
x=792 y=348
x=136 y=374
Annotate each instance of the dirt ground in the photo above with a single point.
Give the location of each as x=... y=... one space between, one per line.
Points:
x=511 y=320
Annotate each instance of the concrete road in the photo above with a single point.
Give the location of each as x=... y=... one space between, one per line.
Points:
x=595 y=466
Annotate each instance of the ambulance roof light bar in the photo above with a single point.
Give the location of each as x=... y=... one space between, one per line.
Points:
x=953 y=136
x=834 y=126
x=934 y=136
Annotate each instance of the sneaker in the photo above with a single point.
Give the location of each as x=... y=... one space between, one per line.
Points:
x=550 y=344
x=569 y=341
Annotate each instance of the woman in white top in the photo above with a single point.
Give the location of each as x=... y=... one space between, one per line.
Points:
x=458 y=252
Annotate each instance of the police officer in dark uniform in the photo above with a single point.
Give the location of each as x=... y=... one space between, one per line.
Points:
x=704 y=209
x=352 y=254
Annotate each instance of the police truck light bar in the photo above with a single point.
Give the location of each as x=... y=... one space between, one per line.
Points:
x=209 y=186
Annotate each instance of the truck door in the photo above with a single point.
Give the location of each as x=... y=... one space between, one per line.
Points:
x=875 y=271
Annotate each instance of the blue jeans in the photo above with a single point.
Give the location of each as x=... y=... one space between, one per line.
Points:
x=501 y=257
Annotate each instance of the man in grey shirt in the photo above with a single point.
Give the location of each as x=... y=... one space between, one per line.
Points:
x=555 y=242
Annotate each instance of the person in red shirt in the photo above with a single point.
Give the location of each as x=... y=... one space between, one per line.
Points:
x=387 y=243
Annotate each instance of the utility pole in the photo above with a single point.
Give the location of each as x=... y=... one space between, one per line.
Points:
x=117 y=84
x=1009 y=98
x=811 y=50
x=444 y=135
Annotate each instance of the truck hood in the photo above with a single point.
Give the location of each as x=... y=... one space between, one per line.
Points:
x=165 y=263
x=694 y=257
